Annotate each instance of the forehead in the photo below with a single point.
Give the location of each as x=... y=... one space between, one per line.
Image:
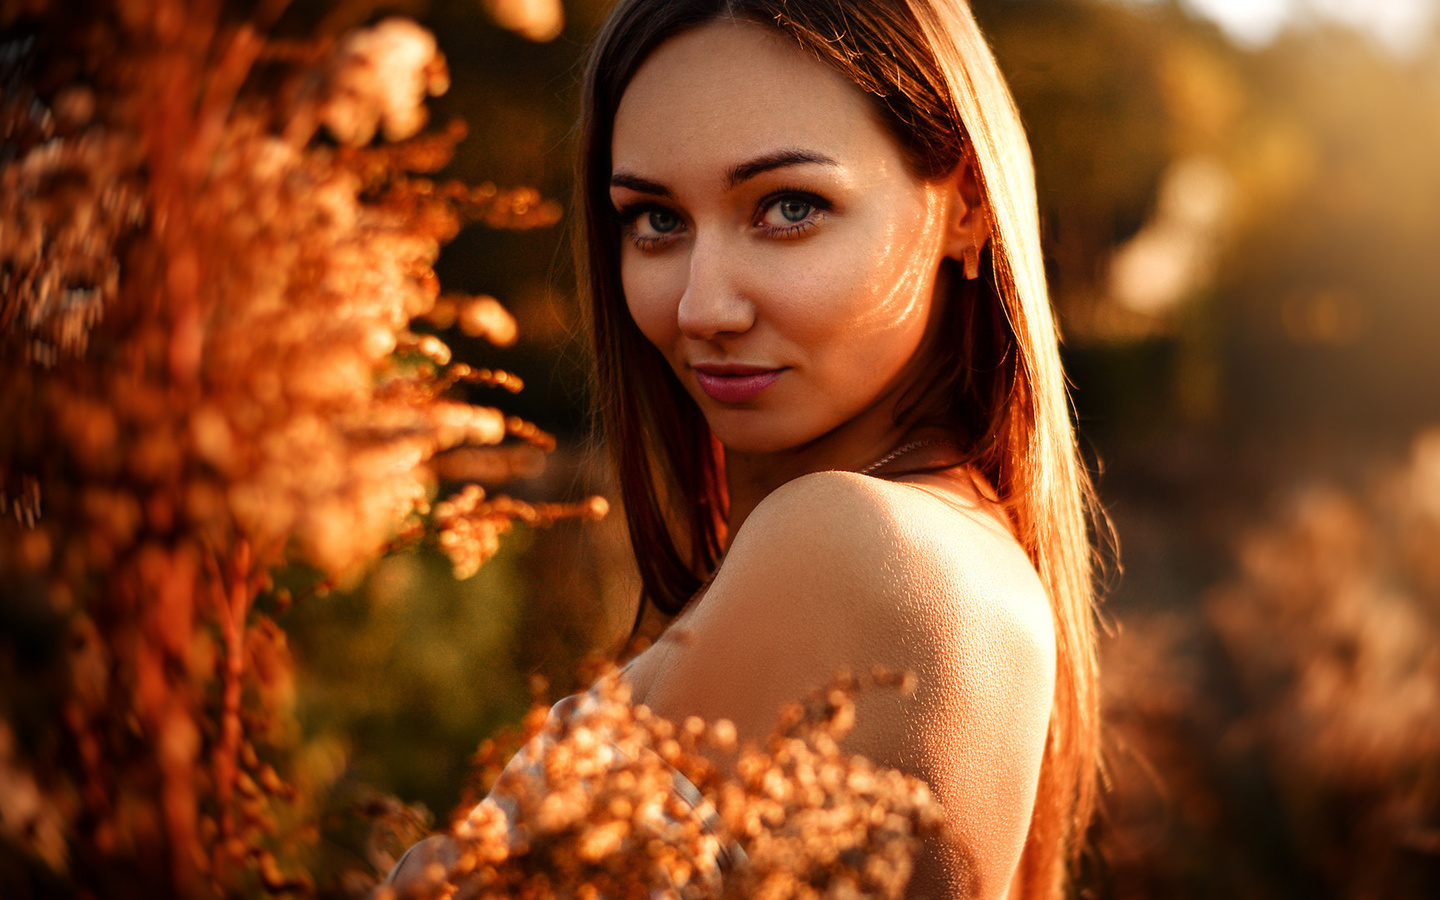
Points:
x=732 y=90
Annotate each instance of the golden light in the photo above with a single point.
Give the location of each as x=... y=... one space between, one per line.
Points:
x=538 y=20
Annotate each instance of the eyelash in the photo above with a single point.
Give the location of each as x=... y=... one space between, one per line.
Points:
x=628 y=217
x=819 y=206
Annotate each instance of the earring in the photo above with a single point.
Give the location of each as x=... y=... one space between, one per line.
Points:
x=971 y=260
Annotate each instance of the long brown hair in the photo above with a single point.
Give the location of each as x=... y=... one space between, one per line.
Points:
x=936 y=85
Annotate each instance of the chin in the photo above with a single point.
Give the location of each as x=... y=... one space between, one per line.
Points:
x=759 y=436
x=756 y=447
x=737 y=440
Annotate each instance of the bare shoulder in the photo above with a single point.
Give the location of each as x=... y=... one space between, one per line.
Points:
x=837 y=571
x=922 y=553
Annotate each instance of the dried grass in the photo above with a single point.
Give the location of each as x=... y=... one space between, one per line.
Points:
x=214 y=361
x=1286 y=736
x=589 y=809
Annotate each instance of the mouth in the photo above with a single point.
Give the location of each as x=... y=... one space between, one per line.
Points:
x=731 y=383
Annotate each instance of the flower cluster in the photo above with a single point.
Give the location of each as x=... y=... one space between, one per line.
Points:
x=608 y=800
x=220 y=353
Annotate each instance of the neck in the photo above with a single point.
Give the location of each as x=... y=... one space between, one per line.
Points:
x=751 y=477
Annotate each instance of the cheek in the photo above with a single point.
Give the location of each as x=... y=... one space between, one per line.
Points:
x=904 y=264
x=873 y=300
x=653 y=305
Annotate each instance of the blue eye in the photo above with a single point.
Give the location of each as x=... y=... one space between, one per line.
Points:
x=663 y=220
x=791 y=213
x=794 y=209
x=650 y=227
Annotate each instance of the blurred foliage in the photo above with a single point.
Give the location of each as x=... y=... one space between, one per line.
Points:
x=388 y=674
x=1283 y=738
x=215 y=243
x=1310 y=297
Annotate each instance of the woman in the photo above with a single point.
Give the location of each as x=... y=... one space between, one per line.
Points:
x=829 y=379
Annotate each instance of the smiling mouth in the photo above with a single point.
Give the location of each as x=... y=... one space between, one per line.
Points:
x=734 y=384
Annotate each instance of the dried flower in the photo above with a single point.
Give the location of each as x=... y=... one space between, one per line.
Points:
x=538 y=20
x=379 y=81
x=1311 y=678
x=608 y=800
x=209 y=357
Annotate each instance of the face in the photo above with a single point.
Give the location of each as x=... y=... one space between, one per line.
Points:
x=775 y=249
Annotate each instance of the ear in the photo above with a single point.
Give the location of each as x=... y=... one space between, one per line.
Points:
x=969 y=227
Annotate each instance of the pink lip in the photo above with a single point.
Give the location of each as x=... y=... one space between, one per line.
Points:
x=734 y=383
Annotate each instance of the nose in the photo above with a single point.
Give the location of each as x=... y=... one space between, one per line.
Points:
x=712 y=304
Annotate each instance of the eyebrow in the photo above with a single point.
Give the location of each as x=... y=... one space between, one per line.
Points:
x=737 y=175
x=638 y=185
x=777 y=160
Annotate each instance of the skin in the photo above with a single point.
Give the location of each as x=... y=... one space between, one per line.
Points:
x=919 y=572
